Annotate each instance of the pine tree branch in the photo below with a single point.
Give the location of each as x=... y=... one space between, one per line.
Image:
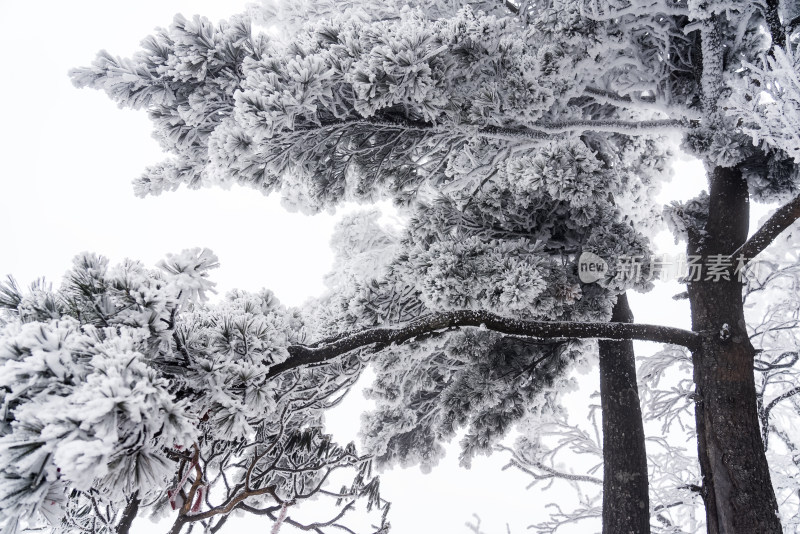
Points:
x=330 y=348
x=611 y=126
x=616 y=98
x=769 y=231
x=773 y=19
x=129 y=514
x=537 y=131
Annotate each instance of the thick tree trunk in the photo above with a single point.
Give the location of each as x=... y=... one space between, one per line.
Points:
x=737 y=490
x=626 y=502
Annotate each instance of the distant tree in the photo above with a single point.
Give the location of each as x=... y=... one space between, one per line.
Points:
x=546 y=110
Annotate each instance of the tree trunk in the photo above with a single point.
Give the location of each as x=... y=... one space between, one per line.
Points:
x=737 y=490
x=626 y=502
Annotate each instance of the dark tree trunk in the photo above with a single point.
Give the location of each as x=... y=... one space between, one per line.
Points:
x=128 y=515
x=626 y=502
x=737 y=490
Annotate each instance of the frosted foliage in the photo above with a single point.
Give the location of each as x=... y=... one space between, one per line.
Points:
x=83 y=406
x=82 y=401
x=412 y=63
x=233 y=345
x=427 y=391
x=618 y=241
x=349 y=70
x=456 y=247
x=189 y=271
x=770 y=107
x=362 y=250
x=294 y=15
x=564 y=172
x=684 y=218
x=475 y=379
x=107 y=383
x=484 y=275
x=773 y=179
x=185 y=78
x=370 y=102
x=767 y=103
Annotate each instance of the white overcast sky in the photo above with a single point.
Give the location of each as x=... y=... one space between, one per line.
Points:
x=67 y=158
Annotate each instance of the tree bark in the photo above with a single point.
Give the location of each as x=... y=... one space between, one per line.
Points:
x=327 y=349
x=128 y=515
x=737 y=489
x=626 y=501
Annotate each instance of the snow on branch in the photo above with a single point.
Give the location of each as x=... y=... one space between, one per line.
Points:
x=777 y=223
x=537 y=131
x=330 y=348
x=613 y=126
x=601 y=12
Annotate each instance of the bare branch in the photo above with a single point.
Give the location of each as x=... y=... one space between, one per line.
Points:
x=552 y=473
x=777 y=223
x=232 y=503
x=330 y=348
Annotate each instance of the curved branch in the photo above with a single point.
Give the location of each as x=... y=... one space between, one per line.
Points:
x=232 y=503
x=769 y=231
x=782 y=397
x=330 y=348
x=270 y=512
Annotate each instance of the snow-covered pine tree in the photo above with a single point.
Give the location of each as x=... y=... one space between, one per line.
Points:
x=123 y=395
x=487 y=250
x=355 y=108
